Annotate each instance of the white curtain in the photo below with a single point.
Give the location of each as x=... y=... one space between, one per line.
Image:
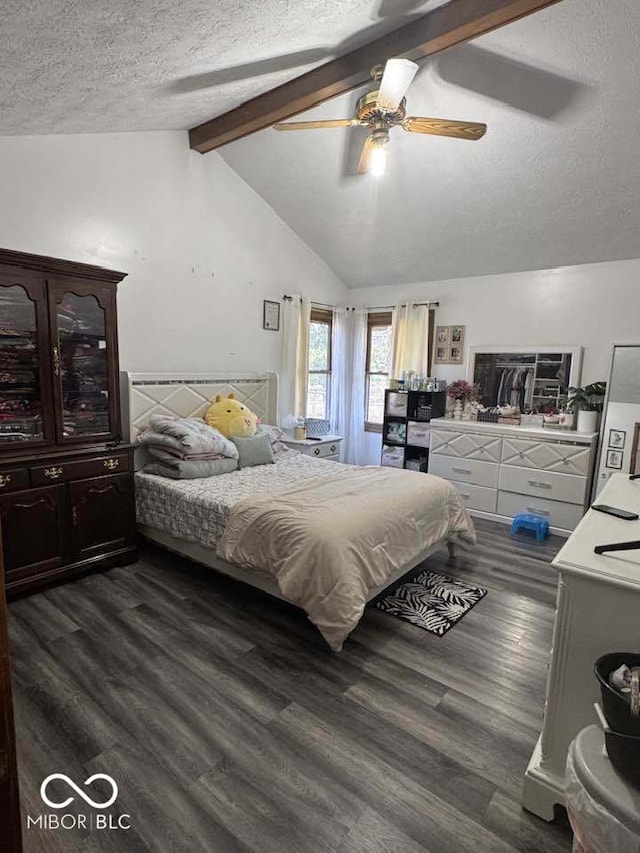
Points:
x=346 y=411
x=296 y=315
x=410 y=339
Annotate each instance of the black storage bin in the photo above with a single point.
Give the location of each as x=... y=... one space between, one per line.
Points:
x=615 y=707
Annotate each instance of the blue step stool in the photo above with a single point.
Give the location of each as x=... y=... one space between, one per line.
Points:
x=531 y=522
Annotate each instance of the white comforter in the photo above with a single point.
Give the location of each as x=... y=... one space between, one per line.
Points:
x=328 y=541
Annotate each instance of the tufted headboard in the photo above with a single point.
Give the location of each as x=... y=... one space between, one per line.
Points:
x=188 y=395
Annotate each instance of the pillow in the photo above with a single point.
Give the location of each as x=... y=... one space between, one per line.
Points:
x=275 y=436
x=185 y=469
x=255 y=450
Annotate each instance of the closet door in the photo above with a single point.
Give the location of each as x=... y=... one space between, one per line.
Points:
x=85 y=360
x=26 y=418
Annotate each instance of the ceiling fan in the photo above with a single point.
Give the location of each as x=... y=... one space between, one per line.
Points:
x=385 y=107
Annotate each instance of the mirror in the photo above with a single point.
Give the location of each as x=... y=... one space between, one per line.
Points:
x=531 y=379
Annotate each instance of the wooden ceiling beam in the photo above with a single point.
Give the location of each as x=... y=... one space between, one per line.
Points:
x=456 y=22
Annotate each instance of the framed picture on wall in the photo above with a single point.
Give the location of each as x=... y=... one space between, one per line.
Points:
x=457 y=335
x=271 y=315
x=442 y=355
x=617 y=438
x=442 y=335
x=614 y=459
x=455 y=354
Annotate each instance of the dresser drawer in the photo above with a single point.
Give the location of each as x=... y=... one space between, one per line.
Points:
x=464 y=470
x=558 y=513
x=565 y=458
x=544 y=484
x=13 y=479
x=59 y=471
x=466 y=445
x=477 y=497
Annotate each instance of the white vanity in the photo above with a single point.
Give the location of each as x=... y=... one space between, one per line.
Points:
x=502 y=470
x=598 y=611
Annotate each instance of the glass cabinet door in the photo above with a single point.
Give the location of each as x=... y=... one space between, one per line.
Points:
x=24 y=413
x=81 y=360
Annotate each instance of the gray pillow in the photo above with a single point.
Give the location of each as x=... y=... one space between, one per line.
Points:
x=255 y=450
x=187 y=469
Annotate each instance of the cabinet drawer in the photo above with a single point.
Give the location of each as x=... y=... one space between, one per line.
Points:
x=558 y=513
x=35 y=531
x=418 y=433
x=59 y=471
x=323 y=450
x=13 y=479
x=466 y=445
x=544 y=484
x=477 y=497
x=465 y=470
x=565 y=458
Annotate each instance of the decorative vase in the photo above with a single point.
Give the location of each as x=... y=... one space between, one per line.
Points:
x=587 y=421
x=457 y=410
x=469 y=410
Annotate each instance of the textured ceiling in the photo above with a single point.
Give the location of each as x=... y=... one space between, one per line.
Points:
x=554 y=182
x=89 y=66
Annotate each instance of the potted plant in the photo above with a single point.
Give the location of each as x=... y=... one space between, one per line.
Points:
x=462 y=392
x=588 y=402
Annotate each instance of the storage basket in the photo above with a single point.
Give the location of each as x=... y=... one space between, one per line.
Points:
x=316 y=427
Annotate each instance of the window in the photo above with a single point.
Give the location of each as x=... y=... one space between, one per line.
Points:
x=319 y=380
x=378 y=358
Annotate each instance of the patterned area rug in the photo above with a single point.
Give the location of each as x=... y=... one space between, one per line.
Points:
x=431 y=601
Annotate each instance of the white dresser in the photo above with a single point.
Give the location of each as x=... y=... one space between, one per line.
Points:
x=597 y=612
x=327 y=447
x=502 y=470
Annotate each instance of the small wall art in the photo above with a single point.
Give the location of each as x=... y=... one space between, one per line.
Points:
x=271 y=316
x=614 y=459
x=617 y=438
x=449 y=345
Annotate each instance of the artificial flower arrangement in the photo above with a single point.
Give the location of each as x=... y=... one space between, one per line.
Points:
x=462 y=390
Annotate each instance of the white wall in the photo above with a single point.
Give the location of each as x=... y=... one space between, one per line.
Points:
x=593 y=306
x=202 y=249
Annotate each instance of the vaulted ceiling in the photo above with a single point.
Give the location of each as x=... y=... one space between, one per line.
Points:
x=554 y=182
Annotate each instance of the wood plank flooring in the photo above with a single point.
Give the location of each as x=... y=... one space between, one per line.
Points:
x=231 y=728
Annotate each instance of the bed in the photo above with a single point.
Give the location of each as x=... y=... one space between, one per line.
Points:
x=324 y=536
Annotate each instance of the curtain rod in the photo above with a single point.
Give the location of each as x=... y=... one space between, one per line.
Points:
x=389 y=307
x=371 y=307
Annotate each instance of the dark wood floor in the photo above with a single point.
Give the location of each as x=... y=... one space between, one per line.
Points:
x=229 y=726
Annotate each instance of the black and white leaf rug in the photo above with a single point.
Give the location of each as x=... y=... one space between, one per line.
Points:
x=431 y=601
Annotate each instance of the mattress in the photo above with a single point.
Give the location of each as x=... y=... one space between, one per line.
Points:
x=198 y=510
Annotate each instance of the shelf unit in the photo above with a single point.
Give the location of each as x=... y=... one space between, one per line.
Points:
x=405 y=428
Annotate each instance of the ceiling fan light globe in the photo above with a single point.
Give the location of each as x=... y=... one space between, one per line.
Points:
x=378 y=161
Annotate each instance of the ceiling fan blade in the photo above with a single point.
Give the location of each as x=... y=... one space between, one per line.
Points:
x=396 y=79
x=311 y=125
x=364 y=166
x=445 y=127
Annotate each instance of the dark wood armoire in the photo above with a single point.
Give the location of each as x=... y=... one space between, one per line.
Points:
x=66 y=479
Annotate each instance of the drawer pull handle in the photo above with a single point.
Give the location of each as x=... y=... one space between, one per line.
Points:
x=540 y=485
x=53 y=473
x=461 y=470
x=4 y=479
x=333 y=448
x=465 y=495
x=111 y=464
x=56 y=361
x=316 y=451
x=74 y=516
x=537 y=511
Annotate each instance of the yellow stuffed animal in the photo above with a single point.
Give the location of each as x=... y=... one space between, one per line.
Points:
x=230 y=417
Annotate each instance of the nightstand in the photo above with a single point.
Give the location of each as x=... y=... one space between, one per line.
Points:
x=327 y=447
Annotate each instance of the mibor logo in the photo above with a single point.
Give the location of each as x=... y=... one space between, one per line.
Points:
x=91 y=820
x=79 y=791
